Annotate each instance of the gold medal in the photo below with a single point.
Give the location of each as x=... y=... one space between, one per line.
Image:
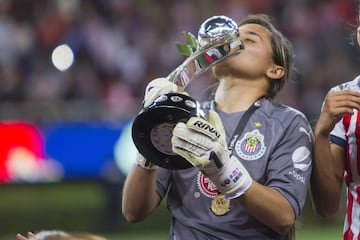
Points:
x=219 y=205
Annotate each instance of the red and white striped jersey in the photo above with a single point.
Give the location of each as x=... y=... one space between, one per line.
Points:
x=347 y=134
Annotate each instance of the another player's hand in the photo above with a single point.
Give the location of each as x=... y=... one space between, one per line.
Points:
x=29 y=237
x=336 y=105
x=203 y=144
x=156 y=88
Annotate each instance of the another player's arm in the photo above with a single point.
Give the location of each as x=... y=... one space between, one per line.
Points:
x=139 y=194
x=329 y=159
x=327 y=176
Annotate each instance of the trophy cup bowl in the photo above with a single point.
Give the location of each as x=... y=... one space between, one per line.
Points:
x=218 y=39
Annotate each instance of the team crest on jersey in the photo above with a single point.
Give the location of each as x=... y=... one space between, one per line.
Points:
x=206 y=186
x=251 y=146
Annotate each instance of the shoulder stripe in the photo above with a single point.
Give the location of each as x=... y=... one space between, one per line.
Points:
x=338 y=141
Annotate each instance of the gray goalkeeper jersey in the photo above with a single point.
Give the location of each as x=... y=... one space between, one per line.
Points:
x=275 y=148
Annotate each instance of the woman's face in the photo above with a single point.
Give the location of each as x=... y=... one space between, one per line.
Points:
x=254 y=60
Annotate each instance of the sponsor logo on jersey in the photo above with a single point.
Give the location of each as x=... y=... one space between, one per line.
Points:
x=301 y=158
x=251 y=146
x=301 y=161
x=206 y=186
x=297 y=176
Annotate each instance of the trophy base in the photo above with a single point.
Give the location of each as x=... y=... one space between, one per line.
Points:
x=152 y=129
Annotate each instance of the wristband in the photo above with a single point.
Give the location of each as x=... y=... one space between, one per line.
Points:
x=143 y=163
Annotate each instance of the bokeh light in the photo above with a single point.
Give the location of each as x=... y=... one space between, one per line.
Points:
x=62 y=57
x=125 y=150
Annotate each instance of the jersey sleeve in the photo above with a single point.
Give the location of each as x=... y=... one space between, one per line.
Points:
x=290 y=163
x=163 y=181
x=337 y=135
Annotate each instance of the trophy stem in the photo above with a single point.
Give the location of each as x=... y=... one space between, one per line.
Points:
x=205 y=57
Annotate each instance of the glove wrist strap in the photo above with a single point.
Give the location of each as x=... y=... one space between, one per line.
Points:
x=232 y=179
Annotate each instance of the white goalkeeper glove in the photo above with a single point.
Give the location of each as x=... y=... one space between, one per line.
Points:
x=203 y=144
x=156 y=88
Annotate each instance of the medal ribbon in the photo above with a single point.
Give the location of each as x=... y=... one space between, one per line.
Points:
x=243 y=121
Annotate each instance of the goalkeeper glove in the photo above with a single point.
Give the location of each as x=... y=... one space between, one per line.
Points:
x=156 y=88
x=203 y=144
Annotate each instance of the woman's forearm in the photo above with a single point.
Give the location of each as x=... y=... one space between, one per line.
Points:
x=139 y=194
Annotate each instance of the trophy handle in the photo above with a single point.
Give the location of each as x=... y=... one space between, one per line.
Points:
x=218 y=39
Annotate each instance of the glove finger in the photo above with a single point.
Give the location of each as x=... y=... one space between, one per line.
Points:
x=154 y=93
x=185 y=93
x=156 y=88
x=215 y=120
x=196 y=161
x=182 y=145
x=202 y=126
x=195 y=138
x=160 y=83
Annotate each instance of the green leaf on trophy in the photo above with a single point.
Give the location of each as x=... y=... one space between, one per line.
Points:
x=184 y=49
x=191 y=40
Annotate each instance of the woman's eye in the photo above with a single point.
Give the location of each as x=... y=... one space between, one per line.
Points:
x=249 y=40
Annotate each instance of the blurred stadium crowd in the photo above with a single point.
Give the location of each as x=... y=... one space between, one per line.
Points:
x=120 y=45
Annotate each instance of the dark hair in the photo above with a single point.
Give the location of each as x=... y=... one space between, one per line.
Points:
x=283 y=54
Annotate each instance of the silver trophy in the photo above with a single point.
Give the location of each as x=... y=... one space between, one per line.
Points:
x=218 y=39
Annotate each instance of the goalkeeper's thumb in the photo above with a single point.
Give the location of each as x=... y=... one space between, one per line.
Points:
x=215 y=120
